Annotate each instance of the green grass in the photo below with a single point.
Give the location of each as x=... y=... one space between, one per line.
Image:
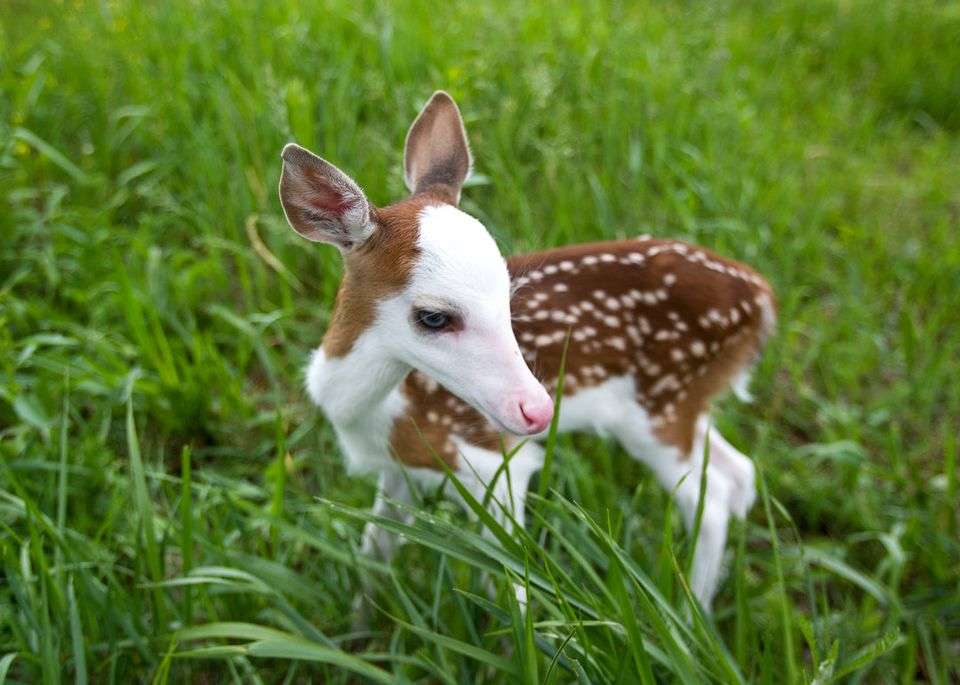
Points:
x=172 y=508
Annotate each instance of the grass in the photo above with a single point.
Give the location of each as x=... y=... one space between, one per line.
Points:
x=171 y=507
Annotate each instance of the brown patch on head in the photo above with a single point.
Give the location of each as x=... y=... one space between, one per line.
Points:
x=375 y=270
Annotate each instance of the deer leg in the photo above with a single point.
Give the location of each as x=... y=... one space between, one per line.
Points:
x=681 y=474
x=738 y=468
x=483 y=470
x=712 y=535
x=392 y=489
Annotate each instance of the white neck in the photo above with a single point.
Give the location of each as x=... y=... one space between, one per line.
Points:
x=352 y=388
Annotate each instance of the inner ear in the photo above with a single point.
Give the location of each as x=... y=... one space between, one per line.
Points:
x=437 y=156
x=321 y=202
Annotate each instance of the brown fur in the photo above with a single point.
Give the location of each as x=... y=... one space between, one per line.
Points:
x=375 y=270
x=427 y=433
x=671 y=299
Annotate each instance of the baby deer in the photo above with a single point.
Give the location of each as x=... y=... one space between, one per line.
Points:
x=433 y=337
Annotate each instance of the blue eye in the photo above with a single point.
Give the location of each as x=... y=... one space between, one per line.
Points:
x=433 y=321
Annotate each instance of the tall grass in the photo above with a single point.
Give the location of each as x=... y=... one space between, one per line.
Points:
x=172 y=509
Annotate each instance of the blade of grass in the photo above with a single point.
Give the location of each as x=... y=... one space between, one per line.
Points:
x=144 y=510
x=790 y=656
x=62 y=477
x=186 y=529
x=76 y=637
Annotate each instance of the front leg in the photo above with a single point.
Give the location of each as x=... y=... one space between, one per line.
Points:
x=392 y=490
x=483 y=470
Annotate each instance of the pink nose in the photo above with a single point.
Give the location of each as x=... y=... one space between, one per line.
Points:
x=537 y=415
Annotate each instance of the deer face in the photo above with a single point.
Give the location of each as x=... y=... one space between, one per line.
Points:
x=424 y=284
x=453 y=322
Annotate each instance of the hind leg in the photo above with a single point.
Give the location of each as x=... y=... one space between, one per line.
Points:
x=734 y=464
x=682 y=474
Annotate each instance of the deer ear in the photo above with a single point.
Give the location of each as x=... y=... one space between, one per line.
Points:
x=321 y=202
x=436 y=155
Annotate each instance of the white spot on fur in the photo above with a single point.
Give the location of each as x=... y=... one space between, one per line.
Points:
x=617 y=343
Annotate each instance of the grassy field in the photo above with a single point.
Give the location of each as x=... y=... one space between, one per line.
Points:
x=173 y=509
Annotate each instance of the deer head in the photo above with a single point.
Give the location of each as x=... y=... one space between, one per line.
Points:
x=424 y=283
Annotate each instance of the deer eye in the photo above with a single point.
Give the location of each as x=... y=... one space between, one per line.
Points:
x=433 y=321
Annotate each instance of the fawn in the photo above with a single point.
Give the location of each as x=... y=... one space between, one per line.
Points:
x=433 y=337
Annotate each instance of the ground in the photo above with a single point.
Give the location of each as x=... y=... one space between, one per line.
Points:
x=161 y=467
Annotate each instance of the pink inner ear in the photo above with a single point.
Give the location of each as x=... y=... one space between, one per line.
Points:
x=326 y=198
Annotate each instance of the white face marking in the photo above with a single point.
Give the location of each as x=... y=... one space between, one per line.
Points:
x=460 y=272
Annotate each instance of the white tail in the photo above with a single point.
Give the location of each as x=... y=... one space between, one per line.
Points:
x=433 y=337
